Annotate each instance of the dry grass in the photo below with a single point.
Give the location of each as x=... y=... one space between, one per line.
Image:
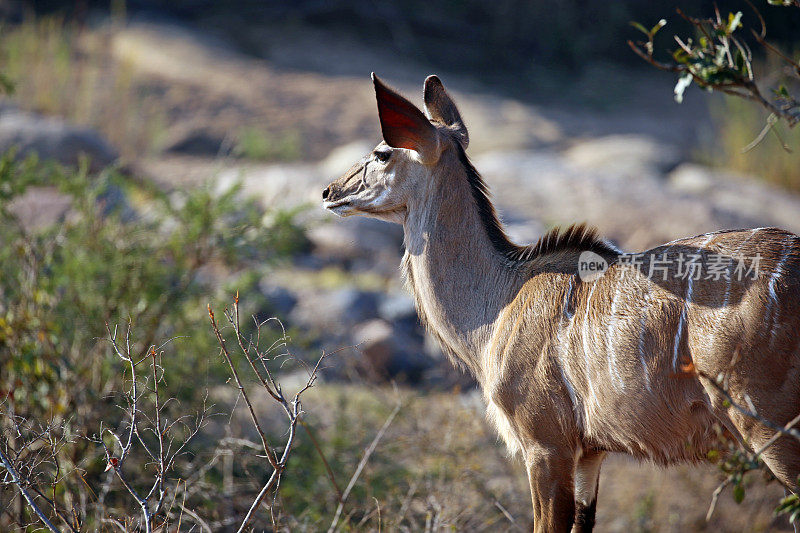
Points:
x=441 y=467
x=737 y=124
x=59 y=68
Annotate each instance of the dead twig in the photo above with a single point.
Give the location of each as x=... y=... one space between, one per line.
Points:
x=291 y=407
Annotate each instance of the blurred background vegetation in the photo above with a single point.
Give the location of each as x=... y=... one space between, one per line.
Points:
x=212 y=127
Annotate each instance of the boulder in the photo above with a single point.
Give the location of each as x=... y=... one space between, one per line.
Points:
x=389 y=353
x=280 y=301
x=374 y=341
x=197 y=142
x=360 y=243
x=52 y=138
x=335 y=311
x=357 y=236
x=624 y=153
x=343 y=157
x=397 y=306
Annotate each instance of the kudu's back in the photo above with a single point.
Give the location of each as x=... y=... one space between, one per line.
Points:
x=634 y=348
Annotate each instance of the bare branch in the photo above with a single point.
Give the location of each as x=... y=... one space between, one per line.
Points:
x=20 y=483
x=291 y=408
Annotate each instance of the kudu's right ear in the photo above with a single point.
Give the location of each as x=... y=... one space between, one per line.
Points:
x=442 y=109
x=403 y=125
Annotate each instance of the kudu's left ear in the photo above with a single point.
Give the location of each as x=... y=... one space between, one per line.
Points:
x=403 y=124
x=441 y=108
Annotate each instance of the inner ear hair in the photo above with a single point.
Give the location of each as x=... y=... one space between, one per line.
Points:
x=441 y=108
x=403 y=125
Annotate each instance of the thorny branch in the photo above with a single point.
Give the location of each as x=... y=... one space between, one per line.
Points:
x=147 y=430
x=158 y=427
x=32 y=447
x=292 y=408
x=20 y=483
x=721 y=384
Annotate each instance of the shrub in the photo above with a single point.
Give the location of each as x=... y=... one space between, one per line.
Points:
x=108 y=263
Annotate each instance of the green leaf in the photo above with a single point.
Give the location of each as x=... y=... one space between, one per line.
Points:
x=782 y=91
x=680 y=56
x=738 y=493
x=734 y=21
x=740 y=63
x=639 y=27
x=661 y=23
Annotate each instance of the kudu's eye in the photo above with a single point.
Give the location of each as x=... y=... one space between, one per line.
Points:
x=383 y=155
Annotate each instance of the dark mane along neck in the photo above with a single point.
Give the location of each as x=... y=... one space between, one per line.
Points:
x=575 y=237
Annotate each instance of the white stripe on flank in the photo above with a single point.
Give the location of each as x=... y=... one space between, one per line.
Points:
x=585 y=337
x=773 y=279
x=567 y=296
x=687 y=301
x=723 y=310
x=570 y=389
x=681 y=322
x=642 y=332
x=612 y=354
x=562 y=363
x=730 y=277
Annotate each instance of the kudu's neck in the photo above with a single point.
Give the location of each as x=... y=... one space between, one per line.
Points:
x=460 y=281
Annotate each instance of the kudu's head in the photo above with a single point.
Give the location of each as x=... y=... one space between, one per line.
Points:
x=384 y=182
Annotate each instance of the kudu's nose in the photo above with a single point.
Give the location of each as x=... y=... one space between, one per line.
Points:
x=325 y=193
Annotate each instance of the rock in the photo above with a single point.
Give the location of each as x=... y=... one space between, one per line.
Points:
x=53 y=138
x=690 y=178
x=374 y=340
x=280 y=300
x=525 y=233
x=40 y=207
x=283 y=185
x=388 y=353
x=356 y=236
x=353 y=305
x=743 y=200
x=335 y=311
x=626 y=153
x=633 y=206
x=397 y=306
x=362 y=244
x=195 y=142
x=341 y=158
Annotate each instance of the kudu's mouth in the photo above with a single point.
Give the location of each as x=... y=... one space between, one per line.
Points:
x=336 y=206
x=334 y=201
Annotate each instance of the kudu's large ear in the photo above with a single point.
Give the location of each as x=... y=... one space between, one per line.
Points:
x=403 y=124
x=441 y=108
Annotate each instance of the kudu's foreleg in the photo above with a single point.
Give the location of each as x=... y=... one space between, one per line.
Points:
x=587 y=478
x=550 y=473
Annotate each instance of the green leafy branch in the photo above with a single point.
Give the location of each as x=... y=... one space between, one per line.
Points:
x=720 y=60
x=738 y=461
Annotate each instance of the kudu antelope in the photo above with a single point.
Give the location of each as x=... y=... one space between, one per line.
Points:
x=573 y=368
